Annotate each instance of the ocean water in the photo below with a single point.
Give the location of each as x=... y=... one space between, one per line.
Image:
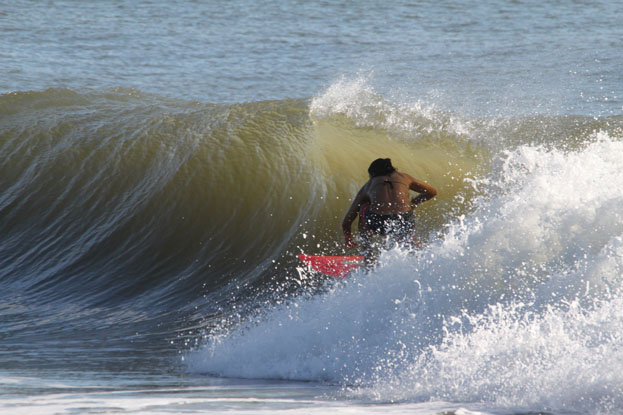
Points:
x=163 y=163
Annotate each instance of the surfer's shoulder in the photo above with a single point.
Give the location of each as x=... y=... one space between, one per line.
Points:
x=403 y=176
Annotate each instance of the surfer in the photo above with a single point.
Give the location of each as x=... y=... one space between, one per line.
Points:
x=383 y=204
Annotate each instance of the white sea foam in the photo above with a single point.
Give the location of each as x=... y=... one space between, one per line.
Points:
x=358 y=100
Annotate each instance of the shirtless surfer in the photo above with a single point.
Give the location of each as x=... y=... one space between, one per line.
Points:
x=388 y=210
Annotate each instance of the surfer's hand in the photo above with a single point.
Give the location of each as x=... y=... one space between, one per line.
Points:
x=349 y=241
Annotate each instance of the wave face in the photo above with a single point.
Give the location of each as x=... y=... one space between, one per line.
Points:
x=166 y=209
x=117 y=196
x=130 y=195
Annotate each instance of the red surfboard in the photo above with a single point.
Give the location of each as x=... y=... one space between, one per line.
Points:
x=335 y=266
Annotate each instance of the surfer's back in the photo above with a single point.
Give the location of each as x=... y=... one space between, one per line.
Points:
x=389 y=194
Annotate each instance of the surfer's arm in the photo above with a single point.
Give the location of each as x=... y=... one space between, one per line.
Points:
x=426 y=191
x=351 y=214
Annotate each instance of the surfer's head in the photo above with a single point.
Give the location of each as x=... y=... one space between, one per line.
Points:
x=381 y=167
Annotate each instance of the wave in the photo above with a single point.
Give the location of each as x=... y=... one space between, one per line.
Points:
x=114 y=198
